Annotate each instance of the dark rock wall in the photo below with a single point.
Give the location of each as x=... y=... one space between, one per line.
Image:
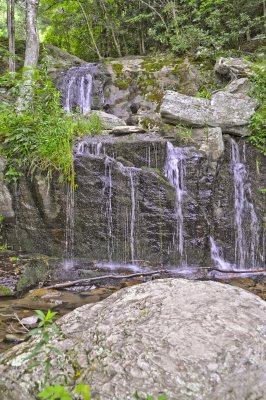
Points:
x=125 y=207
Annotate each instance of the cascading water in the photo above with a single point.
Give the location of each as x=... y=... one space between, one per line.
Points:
x=175 y=171
x=133 y=215
x=70 y=225
x=246 y=223
x=77 y=88
x=97 y=149
x=108 y=187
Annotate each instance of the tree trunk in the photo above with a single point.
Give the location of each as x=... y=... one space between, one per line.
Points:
x=90 y=30
x=264 y=14
x=31 y=54
x=32 y=37
x=11 y=34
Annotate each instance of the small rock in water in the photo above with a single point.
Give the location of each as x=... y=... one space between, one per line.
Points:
x=14 y=338
x=29 y=320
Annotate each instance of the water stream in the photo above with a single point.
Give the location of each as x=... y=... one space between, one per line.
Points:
x=77 y=88
x=70 y=228
x=175 y=171
x=92 y=149
x=246 y=223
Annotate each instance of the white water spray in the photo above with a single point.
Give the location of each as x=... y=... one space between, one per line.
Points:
x=175 y=171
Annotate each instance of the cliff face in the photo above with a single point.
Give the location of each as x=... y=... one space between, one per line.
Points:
x=138 y=201
x=178 y=195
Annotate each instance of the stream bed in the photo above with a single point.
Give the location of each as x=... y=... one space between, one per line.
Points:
x=17 y=270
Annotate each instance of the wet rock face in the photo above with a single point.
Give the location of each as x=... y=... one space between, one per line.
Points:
x=38 y=223
x=200 y=340
x=126 y=208
x=245 y=228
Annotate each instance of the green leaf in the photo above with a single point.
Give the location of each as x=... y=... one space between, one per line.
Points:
x=84 y=390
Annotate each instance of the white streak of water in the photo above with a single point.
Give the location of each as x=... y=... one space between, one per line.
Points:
x=78 y=87
x=67 y=106
x=133 y=216
x=70 y=231
x=246 y=221
x=175 y=171
x=86 y=94
x=108 y=186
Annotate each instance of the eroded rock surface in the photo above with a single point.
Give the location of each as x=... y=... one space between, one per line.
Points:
x=189 y=340
x=231 y=112
x=109 y=121
x=232 y=68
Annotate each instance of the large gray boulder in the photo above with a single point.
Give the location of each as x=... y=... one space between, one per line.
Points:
x=189 y=340
x=231 y=112
x=109 y=121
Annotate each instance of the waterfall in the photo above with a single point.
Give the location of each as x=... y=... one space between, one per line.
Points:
x=77 y=87
x=84 y=147
x=108 y=187
x=133 y=215
x=69 y=232
x=175 y=171
x=246 y=221
x=217 y=257
x=90 y=148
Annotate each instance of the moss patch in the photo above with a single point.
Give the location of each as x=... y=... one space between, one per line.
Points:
x=117 y=68
x=122 y=84
x=5 y=291
x=34 y=273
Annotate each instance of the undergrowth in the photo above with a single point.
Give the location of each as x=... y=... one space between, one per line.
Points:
x=40 y=137
x=258 y=121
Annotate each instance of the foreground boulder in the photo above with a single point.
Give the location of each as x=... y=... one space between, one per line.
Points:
x=231 y=112
x=189 y=340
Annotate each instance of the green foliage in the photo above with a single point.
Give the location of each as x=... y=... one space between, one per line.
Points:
x=183 y=133
x=258 y=121
x=121 y=84
x=40 y=137
x=125 y=27
x=117 y=68
x=56 y=392
x=43 y=349
x=5 y=291
x=149 y=397
x=33 y=273
x=204 y=93
x=91 y=125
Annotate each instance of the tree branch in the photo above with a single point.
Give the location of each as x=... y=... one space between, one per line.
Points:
x=100 y=278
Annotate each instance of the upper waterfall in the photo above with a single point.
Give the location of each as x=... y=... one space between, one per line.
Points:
x=77 y=88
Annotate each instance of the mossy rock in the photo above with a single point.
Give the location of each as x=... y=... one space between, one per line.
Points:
x=122 y=84
x=5 y=291
x=35 y=272
x=155 y=96
x=117 y=68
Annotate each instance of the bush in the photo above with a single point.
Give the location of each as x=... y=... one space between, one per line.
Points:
x=40 y=137
x=258 y=121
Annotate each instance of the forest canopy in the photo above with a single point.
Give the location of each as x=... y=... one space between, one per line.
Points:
x=95 y=29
